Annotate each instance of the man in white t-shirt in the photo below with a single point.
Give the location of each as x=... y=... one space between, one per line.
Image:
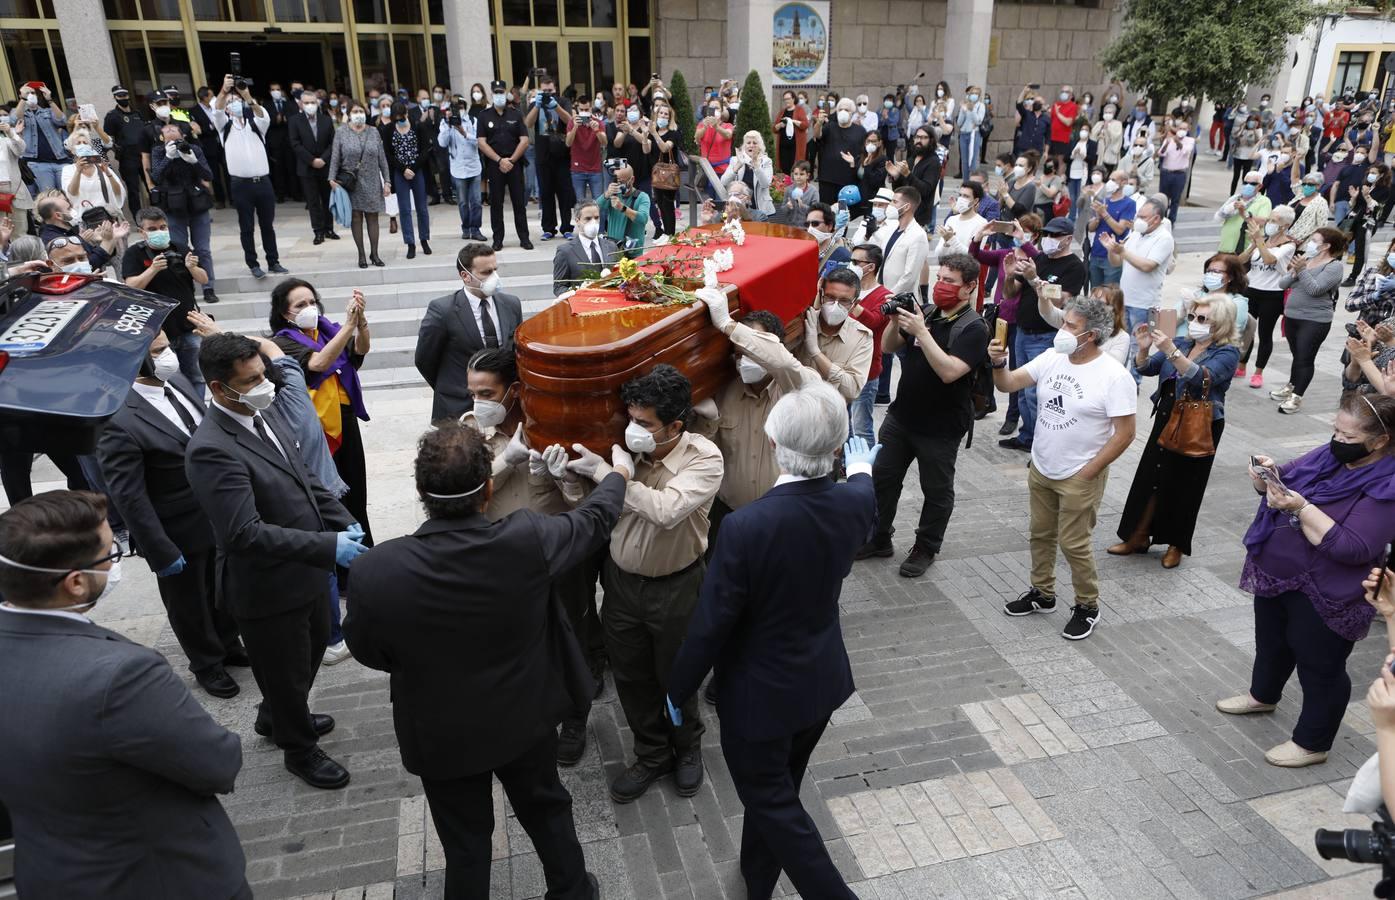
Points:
x=960 y=229
x=1085 y=419
x=1145 y=255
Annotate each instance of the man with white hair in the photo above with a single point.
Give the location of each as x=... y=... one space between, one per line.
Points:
x=1086 y=403
x=1236 y=213
x=1144 y=256
x=840 y=147
x=768 y=622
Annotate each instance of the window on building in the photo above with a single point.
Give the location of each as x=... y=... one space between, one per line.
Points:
x=1351 y=68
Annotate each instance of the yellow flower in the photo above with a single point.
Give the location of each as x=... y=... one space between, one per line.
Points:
x=629 y=269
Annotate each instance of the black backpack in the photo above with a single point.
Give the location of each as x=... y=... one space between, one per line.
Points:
x=981 y=376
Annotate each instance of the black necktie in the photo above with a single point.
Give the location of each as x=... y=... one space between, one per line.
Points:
x=595 y=252
x=179 y=409
x=491 y=337
x=261 y=433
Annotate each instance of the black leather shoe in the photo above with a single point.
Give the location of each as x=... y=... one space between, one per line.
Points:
x=916 y=562
x=425 y=247
x=411 y=251
x=318 y=770
x=323 y=725
x=237 y=657
x=688 y=777
x=571 y=745
x=1014 y=443
x=217 y=682
x=594 y=886
x=319 y=239
x=879 y=545
x=526 y=244
x=498 y=245
x=209 y=296
x=1008 y=427
x=331 y=235
x=278 y=269
x=376 y=260
x=635 y=780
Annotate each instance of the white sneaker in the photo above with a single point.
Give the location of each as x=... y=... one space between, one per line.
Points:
x=1282 y=393
x=336 y=653
x=1291 y=405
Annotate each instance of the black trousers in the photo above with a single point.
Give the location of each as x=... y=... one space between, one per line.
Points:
x=666 y=203
x=205 y=633
x=777 y=833
x=286 y=650
x=575 y=589
x=17 y=467
x=256 y=205
x=1267 y=307
x=443 y=188
x=463 y=810
x=218 y=164
x=555 y=193
x=282 y=161
x=315 y=185
x=1290 y=634
x=134 y=179
x=498 y=180
x=1304 y=340
x=645 y=622
x=936 y=457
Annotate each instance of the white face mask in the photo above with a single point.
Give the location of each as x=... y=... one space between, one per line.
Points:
x=311 y=108
x=639 y=439
x=1271 y=229
x=1129 y=190
x=834 y=314
x=819 y=234
x=358 y=118
x=275 y=95
x=308 y=318
x=749 y=370
x=258 y=398
x=962 y=204
x=1064 y=95
x=662 y=123
x=166 y=364
x=1141 y=226
x=879 y=213
x=162 y=112
x=844 y=117
x=489 y=285
x=1019 y=171
x=476 y=96
x=1197 y=331
x=1311 y=249
x=499 y=100
x=870 y=148
x=632 y=116
x=590 y=229
x=1065 y=342
x=113 y=576
x=1109 y=117
x=489 y=414
x=1050 y=245
x=1096 y=178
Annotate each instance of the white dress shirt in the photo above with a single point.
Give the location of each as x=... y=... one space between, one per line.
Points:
x=590 y=246
x=244 y=151
x=246 y=422
x=857 y=468
x=60 y=613
x=479 y=317
x=157 y=398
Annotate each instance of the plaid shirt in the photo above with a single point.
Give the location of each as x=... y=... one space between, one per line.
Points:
x=1372 y=299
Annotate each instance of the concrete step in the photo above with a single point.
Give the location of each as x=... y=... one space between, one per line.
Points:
x=386 y=323
x=326 y=273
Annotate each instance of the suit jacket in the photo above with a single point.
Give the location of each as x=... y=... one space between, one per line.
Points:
x=461 y=609
x=308 y=147
x=142 y=457
x=446 y=341
x=768 y=614
x=571 y=260
x=209 y=140
x=274 y=523
x=901 y=268
x=111 y=779
x=276 y=131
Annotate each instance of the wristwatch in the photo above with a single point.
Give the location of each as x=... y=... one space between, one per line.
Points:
x=1174 y=354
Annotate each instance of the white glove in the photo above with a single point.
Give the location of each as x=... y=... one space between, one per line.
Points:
x=537 y=466
x=555 y=459
x=716 y=303
x=516 y=451
x=189 y=157
x=170 y=152
x=811 y=332
x=589 y=465
x=707 y=408
x=621 y=459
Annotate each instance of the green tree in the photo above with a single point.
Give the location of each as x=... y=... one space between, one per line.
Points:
x=1204 y=48
x=683 y=112
x=754 y=114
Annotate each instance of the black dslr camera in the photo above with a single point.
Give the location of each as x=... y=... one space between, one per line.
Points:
x=907 y=301
x=614 y=164
x=1376 y=847
x=173 y=259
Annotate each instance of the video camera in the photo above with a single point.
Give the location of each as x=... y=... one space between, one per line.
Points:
x=615 y=163
x=907 y=301
x=235 y=69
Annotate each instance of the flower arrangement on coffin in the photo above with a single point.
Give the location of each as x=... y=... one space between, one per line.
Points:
x=634 y=283
x=778 y=185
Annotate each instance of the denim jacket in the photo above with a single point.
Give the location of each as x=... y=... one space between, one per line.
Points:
x=463 y=148
x=38 y=120
x=1220 y=361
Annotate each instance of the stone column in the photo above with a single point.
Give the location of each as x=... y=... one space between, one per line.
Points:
x=87 y=49
x=968 y=27
x=469 y=44
x=750 y=27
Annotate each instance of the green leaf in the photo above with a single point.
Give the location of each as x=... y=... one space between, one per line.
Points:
x=683 y=112
x=754 y=114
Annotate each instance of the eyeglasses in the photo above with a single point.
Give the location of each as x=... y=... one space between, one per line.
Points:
x=813 y=224
x=1199 y=318
x=846 y=304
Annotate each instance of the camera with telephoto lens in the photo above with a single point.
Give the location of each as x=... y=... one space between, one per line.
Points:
x=182 y=146
x=907 y=301
x=1376 y=846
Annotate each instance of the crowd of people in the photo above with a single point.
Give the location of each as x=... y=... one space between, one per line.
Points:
x=236 y=466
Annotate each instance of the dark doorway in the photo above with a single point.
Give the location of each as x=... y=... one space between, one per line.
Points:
x=267 y=61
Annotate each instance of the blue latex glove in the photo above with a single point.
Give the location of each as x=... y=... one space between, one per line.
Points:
x=840 y=219
x=173 y=568
x=1385 y=282
x=857 y=451
x=675 y=715
x=356 y=530
x=347 y=546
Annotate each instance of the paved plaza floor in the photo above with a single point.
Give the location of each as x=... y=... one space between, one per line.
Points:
x=981 y=755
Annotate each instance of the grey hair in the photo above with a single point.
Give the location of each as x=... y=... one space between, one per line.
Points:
x=26 y=249
x=1097 y=314
x=581 y=207
x=1159 y=202
x=808 y=426
x=1284 y=214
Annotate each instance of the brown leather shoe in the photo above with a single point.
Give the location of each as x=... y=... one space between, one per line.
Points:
x=1127 y=548
x=1172 y=558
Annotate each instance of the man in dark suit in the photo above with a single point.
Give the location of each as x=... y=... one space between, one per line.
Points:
x=768 y=620
x=312 y=138
x=458 y=325
x=279 y=534
x=141 y=452
x=110 y=764
x=492 y=644
x=278 y=145
x=585 y=253
x=202 y=115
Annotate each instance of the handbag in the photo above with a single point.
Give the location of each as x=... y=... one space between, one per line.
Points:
x=1061 y=206
x=665 y=175
x=348 y=178
x=1188 y=428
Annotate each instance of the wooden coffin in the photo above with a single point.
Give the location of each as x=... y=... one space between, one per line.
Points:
x=572 y=367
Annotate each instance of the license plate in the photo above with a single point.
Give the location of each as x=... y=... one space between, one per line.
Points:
x=38 y=327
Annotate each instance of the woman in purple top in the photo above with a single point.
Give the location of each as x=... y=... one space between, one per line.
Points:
x=1026 y=233
x=1309 y=548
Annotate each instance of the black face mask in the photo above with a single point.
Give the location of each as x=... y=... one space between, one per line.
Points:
x=1346 y=453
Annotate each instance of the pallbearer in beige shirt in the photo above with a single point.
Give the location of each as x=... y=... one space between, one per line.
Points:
x=836 y=345
x=498 y=415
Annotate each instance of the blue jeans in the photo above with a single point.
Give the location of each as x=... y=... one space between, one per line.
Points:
x=467 y=195
x=186 y=347
x=194 y=233
x=1073 y=189
x=1101 y=272
x=861 y=411
x=46 y=176
x=968 y=153
x=1135 y=317
x=581 y=180
x=884 y=380
x=407 y=191
x=1340 y=209
x=530 y=173
x=1029 y=346
x=1172 y=182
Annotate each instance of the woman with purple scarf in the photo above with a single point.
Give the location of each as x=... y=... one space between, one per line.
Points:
x=1324 y=522
x=330 y=355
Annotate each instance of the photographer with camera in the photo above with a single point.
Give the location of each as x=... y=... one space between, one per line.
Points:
x=933 y=409
x=460 y=139
x=242 y=124
x=547 y=119
x=165 y=266
x=97 y=235
x=180 y=173
x=624 y=208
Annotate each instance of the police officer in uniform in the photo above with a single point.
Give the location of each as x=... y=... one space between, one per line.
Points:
x=127 y=129
x=503 y=141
